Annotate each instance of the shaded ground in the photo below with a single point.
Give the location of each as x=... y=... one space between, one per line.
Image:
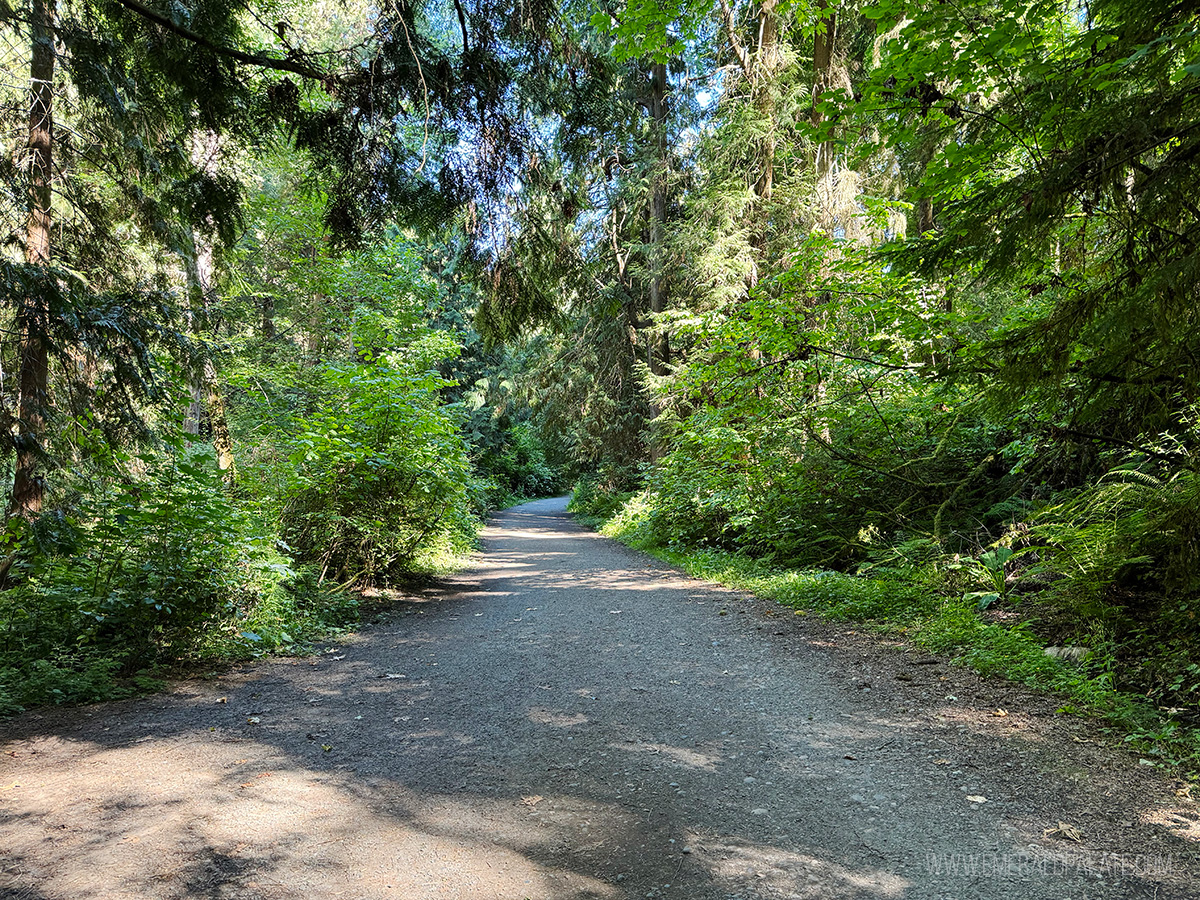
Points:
x=572 y=719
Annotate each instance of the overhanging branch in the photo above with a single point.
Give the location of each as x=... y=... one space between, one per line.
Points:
x=296 y=67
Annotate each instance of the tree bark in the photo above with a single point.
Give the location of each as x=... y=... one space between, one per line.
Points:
x=924 y=215
x=823 y=44
x=766 y=70
x=205 y=388
x=33 y=316
x=195 y=313
x=221 y=437
x=761 y=69
x=268 y=317
x=200 y=269
x=660 y=347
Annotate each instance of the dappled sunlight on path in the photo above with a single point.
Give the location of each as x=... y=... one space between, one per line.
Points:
x=568 y=720
x=193 y=812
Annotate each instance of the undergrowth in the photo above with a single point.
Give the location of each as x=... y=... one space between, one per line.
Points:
x=151 y=577
x=927 y=607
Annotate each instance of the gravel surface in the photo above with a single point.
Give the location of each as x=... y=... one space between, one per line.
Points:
x=572 y=719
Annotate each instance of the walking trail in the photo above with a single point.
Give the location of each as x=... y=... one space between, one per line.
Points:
x=571 y=719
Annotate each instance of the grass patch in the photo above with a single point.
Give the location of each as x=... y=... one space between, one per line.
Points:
x=910 y=605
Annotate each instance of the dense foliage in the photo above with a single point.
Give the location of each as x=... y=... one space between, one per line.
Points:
x=940 y=334
x=899 y=291
x=238 y=397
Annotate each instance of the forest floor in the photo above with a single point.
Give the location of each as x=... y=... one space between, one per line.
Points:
x=573 y=719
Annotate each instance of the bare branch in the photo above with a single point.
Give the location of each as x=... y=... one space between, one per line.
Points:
x=462 y=23
x=738 y=50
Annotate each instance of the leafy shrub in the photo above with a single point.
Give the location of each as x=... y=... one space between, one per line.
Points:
x=142 y=568
x=148 y=570
x=1128 y=525
x=378 y=474
x=289 y=605
x=517 y=467
x=600 y=495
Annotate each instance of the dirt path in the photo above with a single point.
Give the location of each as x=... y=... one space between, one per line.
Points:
x=574 y=720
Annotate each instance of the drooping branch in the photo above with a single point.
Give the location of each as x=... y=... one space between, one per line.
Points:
x=258 y=60
x=462 y=23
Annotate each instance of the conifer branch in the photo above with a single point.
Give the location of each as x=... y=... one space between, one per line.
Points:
x=258 y=60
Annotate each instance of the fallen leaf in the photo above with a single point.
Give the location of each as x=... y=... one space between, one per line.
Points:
x=849 y=756
x=326 y=747
x=1001 y=713
x=976 y=798
x=1064 y=831
x=222 y=699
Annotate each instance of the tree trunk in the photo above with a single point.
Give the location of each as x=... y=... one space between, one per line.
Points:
x=760 y=67
x=199 y=267
x=823 y=77
x=222 y=439
x=660 y=347
x=205 y=388
x=924 y=215
x=33 y=316
x=195 y=313
x=766 y=70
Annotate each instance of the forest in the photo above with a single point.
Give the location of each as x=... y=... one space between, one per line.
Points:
x=884 y=308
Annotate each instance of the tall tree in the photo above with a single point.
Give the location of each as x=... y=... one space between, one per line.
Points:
x=33 y=311
x=398 y=121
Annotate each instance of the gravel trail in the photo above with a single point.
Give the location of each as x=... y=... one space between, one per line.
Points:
x=571 y=719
